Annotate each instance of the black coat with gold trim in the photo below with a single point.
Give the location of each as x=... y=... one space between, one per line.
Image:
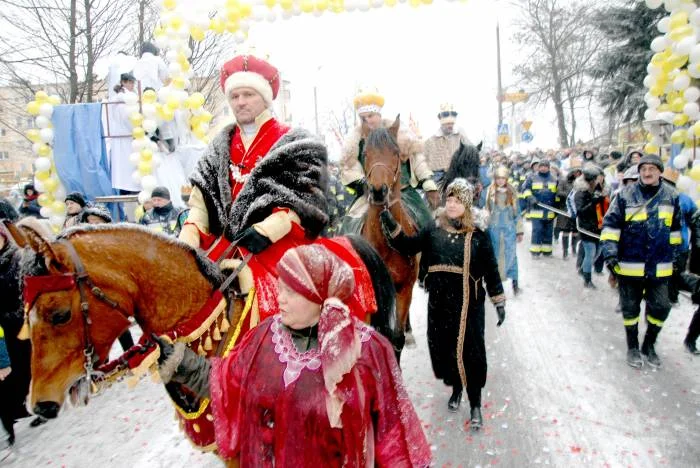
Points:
x=446 y=254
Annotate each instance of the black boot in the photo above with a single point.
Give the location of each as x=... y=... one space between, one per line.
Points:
x=38 y=421
x=693 y=332
x=648 y=350
x=587 y=283
x=476 y=421
x=565 y=239
x=634 y=358
x=516 y=288
x=455 y=399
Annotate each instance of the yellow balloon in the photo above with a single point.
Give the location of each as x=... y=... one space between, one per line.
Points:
x=665 y=107
x=45 y=199
x=246 y=10
x=179 y=83
x=689 y=140
x=145 y=167
x=217 y=25
x=321 y=5
x=677 y=105
x=33 y=135
x=233 y=15
x=54 y=100
x=197 y=34
x=651 y=148
x=287 y=4
x=168 y=113
x=51 y=184
x=232 y=3
x=681 y=33
x=696 y=129
x=173 y=102
x=695 y=173
x=390 y=3
x=58 y=207
x=414 y=3
x=657 y=59
x=307 y=6
x=427 y=2
x=146 y=154
x=198 y=100
x=138 y=133
x=678 y=19
x=41 y=97
x=44 y=150
x=232 y=26
x=206 y=117
x=169 y=4
x=136 y=119
x=677 y=137
x=175 y=22
x=42 y=175
x=680 y=119
x=33 y=108
x=150 y=97
x=270 y=3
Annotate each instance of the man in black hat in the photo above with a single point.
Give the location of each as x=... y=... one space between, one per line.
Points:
x=640 y=241
x=163 y=216
x=75 y=202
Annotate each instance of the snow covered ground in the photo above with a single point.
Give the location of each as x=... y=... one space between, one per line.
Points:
x=558 y=393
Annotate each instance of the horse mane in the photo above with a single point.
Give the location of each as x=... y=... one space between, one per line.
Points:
x=206 y=267
x=382 y=138
x=465 y=163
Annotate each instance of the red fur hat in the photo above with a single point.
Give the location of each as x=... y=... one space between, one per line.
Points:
x=247 y=71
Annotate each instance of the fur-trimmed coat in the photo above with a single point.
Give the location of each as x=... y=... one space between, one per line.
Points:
x=293 y=175
x=411 y=150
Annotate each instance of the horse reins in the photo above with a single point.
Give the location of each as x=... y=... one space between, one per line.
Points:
x=393 y=181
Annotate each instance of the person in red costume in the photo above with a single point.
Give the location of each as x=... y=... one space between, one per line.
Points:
x=310 y=386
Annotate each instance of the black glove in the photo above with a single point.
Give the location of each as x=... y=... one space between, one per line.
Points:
x=252 y=240
x=389 y=224
x=612 y=265
x=501 y=311
x=358 y=187
x=166 y=348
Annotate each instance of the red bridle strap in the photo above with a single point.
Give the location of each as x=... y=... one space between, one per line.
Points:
x=34 y=286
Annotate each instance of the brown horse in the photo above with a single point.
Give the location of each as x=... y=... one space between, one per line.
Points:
x=383 y=173
x=95 y=280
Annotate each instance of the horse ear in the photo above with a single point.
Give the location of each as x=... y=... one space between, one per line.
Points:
x=394 y=129
x=479 y=146
x=15 y=233
x=38 y=239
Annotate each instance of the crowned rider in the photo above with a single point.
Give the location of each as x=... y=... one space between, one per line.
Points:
x=415 y=171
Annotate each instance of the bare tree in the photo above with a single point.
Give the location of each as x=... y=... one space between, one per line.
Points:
x=560 y=43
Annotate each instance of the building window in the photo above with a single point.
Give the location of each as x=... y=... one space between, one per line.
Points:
x=4 y=156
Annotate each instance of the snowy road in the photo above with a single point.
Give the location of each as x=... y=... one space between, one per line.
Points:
x=559 y=393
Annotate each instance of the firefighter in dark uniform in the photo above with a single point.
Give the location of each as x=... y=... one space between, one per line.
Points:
x=640 y=241
x=541 y=187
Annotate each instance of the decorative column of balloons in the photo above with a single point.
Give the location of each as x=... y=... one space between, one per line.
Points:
x=52 y=193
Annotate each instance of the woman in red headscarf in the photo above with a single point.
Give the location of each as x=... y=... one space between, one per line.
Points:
x=310 y=386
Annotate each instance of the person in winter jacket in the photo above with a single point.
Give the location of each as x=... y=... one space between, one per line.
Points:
x=589 y=200
x=688 y=209
x=163 y=216
x=640 y=239
x=456 y=259
x=541 y=188
x=75 y=202
x=30 y=205
x=690 y=281
x=567 y=224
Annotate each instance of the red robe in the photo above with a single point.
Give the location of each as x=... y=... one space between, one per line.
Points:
x=269 y=405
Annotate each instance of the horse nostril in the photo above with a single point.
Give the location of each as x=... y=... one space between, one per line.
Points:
x=47 y=409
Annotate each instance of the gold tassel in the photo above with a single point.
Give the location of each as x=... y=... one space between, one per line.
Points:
x=208 y=345
x=216 y=335
x=225 y=325
x=24 y=331
x=200 y=350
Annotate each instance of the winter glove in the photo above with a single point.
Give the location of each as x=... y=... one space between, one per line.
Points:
x=390 y=226
x=252 y=240
x=179 y=364
x=613 y=266
x=501 y=311
x=166 y=348
x=358 y=187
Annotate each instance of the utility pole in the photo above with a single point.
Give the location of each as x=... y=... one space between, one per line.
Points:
x=500 y=85
x=318 y=133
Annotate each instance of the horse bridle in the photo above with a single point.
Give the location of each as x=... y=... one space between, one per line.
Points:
x=68 y=281
x=388 y=202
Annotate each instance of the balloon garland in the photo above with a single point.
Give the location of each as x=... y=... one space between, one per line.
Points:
x=52 y=193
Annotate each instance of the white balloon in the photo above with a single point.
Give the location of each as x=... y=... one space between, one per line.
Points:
x=659 y=44
x=148 y=183
x=688 y=7
x=695 y=17
x=35 y=147
x=156 y=161
x=692 y=110
x=149 y=111
x=680 y=161
x=45 y=212
x=164 y=94
x=654 y=4
x=363 y=6
x=649 y=81
x=691 y=94
x=650 y=114
x=685 y=46
x=694 y=70
x=150 y=125
x=39 y=185
x=134 y=158
x=663 y=24
x=681 y=82
x=694 y=55
x=42 y=122
x=174 y=68
x=42 y=164
x=46 y=135
x=259 y=13
x=46 y=110
x=57 y=220
x=667 y=116
x=684 y=183
x=131 y=99
x=144 y=196
x=653 y=103
x=171 y=55
x=671 y=5
x=136 y=177
x=653 y=70
x=60 y=193
x=137 y=145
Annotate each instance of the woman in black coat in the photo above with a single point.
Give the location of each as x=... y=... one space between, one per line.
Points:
x=450 y=247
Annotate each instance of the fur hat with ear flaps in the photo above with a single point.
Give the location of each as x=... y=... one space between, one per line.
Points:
x=462 y=191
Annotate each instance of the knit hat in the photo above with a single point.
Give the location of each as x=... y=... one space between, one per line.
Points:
x=97 y=210
x=161 y=192
x=77 y=197
x=545 y=162
x=247 y=71
x=631 y=174
x=321 y=277
x=462 y=191
x=651 y=159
